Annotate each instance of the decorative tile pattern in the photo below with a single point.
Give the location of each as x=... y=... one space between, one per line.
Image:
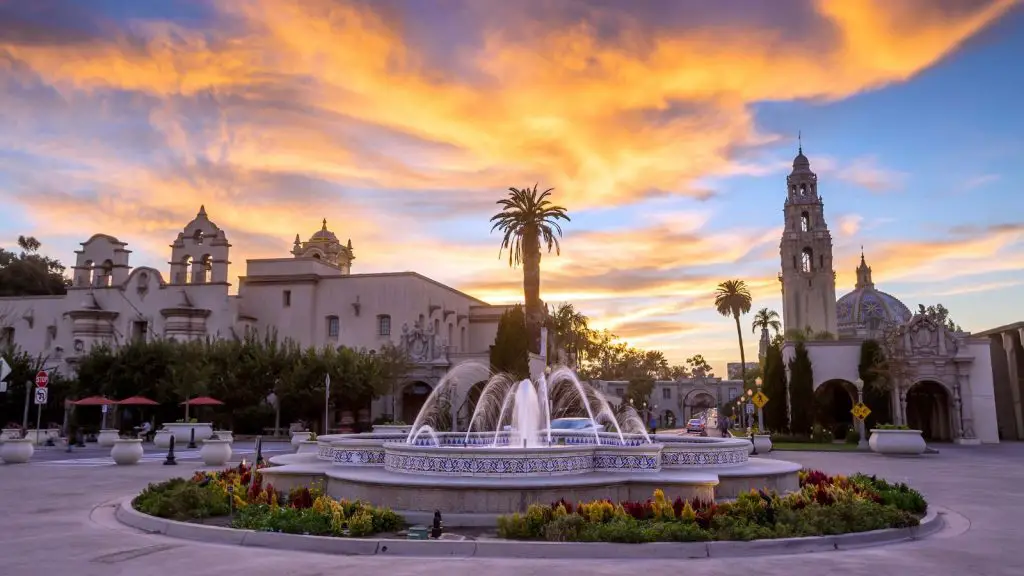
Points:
x=626 y=462
x=324 y=451
x=487 y=465
x=675 y=458
x=358 y=457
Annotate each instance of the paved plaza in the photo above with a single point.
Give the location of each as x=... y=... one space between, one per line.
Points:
x=58 y=519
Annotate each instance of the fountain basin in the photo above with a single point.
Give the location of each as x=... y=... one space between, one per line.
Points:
x=519 y=462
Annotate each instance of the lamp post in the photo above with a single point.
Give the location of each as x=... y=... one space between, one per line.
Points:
x=750 y=394
x=863 y=442
x=760 y=409
x=789 y=409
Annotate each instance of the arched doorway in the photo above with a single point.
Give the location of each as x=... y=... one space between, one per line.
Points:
x=698 y=402
x=668 y=420
x=928 y=410
x=469 y=405
x=833 y=401
x=414 y=395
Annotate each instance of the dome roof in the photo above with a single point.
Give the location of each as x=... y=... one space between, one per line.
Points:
x=868 y=308
x=324 y=234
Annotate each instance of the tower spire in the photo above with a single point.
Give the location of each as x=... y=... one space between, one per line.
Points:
x=325 y=224
x=800 y=142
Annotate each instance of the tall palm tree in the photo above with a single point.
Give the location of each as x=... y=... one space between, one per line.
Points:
x=529 y=219
x=766 y=319
x=732 y=298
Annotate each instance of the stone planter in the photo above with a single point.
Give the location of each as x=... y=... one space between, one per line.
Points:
x=108 y=438
x=215 y=452
x=308 y=447
x=762 y=443
x=162 y=439
x=224 y=435
x=183 y=430
x=127 y=451
x=897 y=442
x=17 y=450
x=300 y=437
x=10 y=434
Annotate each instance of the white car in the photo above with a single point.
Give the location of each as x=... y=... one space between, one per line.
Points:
x=582 y=424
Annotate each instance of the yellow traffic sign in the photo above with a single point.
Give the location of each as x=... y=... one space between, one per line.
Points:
x=860 y=411
x=760 y=399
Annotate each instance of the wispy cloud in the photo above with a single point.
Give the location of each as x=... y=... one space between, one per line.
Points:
x=377 y=116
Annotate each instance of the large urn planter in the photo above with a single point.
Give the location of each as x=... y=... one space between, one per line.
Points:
x=17 y=450
x=183 y=430
x=897 y=442
x=762 y=443
x=300 y=437
x=127 y=451
x=162 y=439
x=308 y=447
x=223 y=435
x=215 y=452
x=10 y=434
x=108 y=438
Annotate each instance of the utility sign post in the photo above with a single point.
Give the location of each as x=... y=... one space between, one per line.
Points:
x=42 y=379
x=42 y=395
x=327 y=401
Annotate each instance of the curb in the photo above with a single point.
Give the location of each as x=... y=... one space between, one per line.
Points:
x=125 y=514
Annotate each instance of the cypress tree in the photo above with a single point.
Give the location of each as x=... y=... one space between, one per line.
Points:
x=510 y=352
x=876 y=390
x=774 y=387
x=801 y=391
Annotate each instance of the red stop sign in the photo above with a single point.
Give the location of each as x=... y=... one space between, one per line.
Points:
x=42 y=379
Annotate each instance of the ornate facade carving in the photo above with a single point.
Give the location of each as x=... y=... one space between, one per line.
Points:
x=422 y=344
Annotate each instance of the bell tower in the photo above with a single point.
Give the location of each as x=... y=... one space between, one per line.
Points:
x=808 y=278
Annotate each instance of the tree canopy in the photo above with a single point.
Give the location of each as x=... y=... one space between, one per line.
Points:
x=29 y=273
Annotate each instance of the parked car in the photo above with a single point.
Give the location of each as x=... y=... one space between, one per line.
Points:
x=696 y=426
x=583 y=424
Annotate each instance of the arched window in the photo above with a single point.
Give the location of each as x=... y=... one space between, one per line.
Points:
x=807 y=260
x=805 y=221
x=803 y=189
x=85 y=278
x=462 y=339
x=198 y=237
x=106 y=272
x=451 y=335
x=437 y=326
x=182 y=277
x=203 y=270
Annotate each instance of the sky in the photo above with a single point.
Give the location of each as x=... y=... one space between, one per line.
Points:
x=666 y=128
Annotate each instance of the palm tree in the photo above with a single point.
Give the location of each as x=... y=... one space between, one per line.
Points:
x=732 y=298
x=766 y=319
x=528 y=219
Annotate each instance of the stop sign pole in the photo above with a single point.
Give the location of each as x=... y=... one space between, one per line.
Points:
x=42 y=380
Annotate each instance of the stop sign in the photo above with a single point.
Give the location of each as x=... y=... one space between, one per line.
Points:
x=42 y=379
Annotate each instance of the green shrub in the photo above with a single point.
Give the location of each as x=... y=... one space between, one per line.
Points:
x=852 y=437
x=898 y=495
x=892 y=427
x=181 y=499
x=819 y=435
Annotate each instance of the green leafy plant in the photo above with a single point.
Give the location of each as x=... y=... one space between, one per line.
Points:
x=892 y=427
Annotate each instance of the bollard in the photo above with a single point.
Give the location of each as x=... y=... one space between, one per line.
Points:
x=81 y=440
x=71 y=442
x=259 y=451
x=192 y=439
x=170 y=461
x=438 y=527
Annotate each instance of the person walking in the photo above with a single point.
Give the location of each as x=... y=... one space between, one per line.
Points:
x=723 y=426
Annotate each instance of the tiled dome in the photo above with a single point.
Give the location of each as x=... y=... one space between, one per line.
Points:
x=868 y=308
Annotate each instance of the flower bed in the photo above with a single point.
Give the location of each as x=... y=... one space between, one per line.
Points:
x=825 y=505
x=244 y=501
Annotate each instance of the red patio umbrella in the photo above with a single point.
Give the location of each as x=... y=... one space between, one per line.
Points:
x=94 y=401
x=202 y=401
x=138 y=401
x=97 y=401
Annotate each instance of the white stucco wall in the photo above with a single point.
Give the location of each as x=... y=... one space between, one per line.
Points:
x=830 y=359
x=983 y=397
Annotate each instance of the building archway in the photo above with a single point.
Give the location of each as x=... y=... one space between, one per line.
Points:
x=668 y=420
x=414 y=395
x=833 y=401
x=697 y=402
x=928 y=410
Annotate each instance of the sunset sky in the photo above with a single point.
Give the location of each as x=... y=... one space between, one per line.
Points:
x=666 y=127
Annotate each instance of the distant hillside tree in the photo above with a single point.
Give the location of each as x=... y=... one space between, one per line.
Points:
x=29 y=273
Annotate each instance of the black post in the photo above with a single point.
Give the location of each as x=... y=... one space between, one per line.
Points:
x=192 y=439
x=259 y=450
x=170 y=461
x=81 y=439
x=438 y=527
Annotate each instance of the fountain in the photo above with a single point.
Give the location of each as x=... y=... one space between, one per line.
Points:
x=512 y=454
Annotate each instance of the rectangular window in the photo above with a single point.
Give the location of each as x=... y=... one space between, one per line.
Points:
x=620 y=392
x=139 y=329
x=666 y=393
x=7 y=336
x=286 y=298
x=733 y=393
x=51 y=335
x=384 y=325
x=333 y=326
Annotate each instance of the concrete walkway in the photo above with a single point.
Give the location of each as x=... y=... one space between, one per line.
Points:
x=55 y=522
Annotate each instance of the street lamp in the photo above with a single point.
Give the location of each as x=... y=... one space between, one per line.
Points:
x=760 y=409
x=750 y=393
x=863 y=442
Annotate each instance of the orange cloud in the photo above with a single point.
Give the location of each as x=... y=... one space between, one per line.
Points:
x=282 y=112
